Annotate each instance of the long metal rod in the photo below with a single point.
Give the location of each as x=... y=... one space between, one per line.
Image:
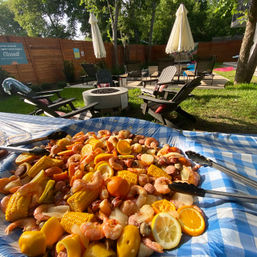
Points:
x=247 y=181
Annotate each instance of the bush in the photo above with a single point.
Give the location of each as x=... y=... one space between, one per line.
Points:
x=3 y=75
x=69 y=71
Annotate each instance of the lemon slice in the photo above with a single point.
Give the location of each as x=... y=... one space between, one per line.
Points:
x=166 y=230
x=106 y=170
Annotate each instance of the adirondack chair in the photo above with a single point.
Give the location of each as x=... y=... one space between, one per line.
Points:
x=14 y=87
x=104 y=79
x=160 y=109
x=90 y=70
x=165 y=79
x=203 y=67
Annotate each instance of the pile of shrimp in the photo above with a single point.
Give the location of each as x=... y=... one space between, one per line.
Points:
x=112 y=212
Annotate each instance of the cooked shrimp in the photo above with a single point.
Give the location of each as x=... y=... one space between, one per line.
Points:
x=4 y=182
x=105 y=207
x=53 y=170
x=93 y=231
x=31 y=188
x=164 y=150
x=77 y=148
x=4 y=202
x=123 y=134
x=149 y=188
x=112 y=229
x=116 y=163
x=161 y=185
x=151 y=142
x=104 y=194
x=26 y=224
x=62 y=253
x=142 y=195
x=136 y=138
x=143 y=179
x=103 y=133
x=133 y=220
x=128 y=207
x=75 y=158
x=55 y=149
x=95 y=184
x=153 y=245
x=38 y=212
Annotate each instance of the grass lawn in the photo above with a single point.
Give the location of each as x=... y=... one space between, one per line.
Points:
x=230 y=110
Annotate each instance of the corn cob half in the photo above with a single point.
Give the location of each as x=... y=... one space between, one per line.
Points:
x=157 y=172
x=71 y=218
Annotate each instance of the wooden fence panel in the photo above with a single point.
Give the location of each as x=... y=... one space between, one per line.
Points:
x=46 y=56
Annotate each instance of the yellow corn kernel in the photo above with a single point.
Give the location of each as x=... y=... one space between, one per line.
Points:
x=17 y=207
x=98 y=249
x=72 y=245
x=80 y=200
x=32 y=243
x=129 y=176
x=52 y=230
x=43 y=163
x=75 y=218
x=157 y=172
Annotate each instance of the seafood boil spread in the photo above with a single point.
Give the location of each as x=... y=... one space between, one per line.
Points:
x=101 y=193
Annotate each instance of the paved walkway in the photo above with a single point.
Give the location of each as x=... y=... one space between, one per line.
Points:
x=218 y=83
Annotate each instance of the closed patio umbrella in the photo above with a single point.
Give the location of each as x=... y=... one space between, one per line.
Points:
x=181 y=39
x=98 y=44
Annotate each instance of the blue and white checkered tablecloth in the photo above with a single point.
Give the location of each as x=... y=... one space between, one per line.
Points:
x=231 y=226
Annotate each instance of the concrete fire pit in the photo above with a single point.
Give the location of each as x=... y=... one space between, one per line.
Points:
x=107 y=97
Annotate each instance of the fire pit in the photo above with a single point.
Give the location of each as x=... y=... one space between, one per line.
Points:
x=108 y=97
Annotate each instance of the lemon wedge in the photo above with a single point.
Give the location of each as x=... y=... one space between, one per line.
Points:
x=106 y=170
x=166 y=230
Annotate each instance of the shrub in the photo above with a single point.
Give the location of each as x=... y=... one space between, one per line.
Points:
x=69 y=71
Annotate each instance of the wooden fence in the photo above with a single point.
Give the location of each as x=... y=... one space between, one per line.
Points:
x=46 y=56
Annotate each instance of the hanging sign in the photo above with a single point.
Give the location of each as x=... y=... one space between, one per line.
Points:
x=76 y=53
x=12 y=53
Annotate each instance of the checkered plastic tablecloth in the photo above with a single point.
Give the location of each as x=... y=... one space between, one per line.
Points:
x=231 y=226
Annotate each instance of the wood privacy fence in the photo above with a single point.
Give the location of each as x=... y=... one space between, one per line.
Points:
x=46 y=56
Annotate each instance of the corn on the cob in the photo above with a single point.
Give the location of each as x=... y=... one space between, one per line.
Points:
x=71 y=218
x=17 y=207
x=43 y=163
x=81 y=200
x=157 y=172
x=129 y=176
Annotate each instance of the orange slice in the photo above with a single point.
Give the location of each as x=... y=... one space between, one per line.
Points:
x=102 y=157
x=66 y=152
x=129 y=156
x=95 y=143
x=86 y=150
x=106 y=170
x=163 y=206
x=191 y=220
x=25 y=157
x=123 y=147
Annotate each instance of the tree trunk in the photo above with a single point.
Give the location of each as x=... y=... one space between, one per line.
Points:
x=151 y=32
x=245 y=65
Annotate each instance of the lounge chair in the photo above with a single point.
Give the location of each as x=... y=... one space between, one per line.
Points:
x=13 y=87
x=165 y=79
x=104 y=79
x=90 y=72
x=203 y=67
x=161 y=109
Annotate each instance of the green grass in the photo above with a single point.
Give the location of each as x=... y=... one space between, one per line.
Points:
x=230 y=110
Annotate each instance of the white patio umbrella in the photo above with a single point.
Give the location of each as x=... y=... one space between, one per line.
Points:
x=181 y=39
x=98 y=44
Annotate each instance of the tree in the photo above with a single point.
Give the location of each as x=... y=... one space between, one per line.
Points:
x=246 y=64
x=8 y=26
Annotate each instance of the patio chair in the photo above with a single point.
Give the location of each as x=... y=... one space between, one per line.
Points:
x=133 y=71
x=42 y=106
x=165 y=79
x=104 y=79
x=161 y=109
x=10 y=84
x=90 y=72
x=203 y=67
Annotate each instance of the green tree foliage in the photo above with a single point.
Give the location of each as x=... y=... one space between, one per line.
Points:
x=8 y=25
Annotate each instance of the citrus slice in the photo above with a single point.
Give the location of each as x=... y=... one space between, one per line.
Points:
x=163 y=206
x=166 y=230
x=86 y=150
x=95 y=143
x=102 y=157
x=123 y=147
x=129 y=156
x=106 y=170
x=191 y=220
